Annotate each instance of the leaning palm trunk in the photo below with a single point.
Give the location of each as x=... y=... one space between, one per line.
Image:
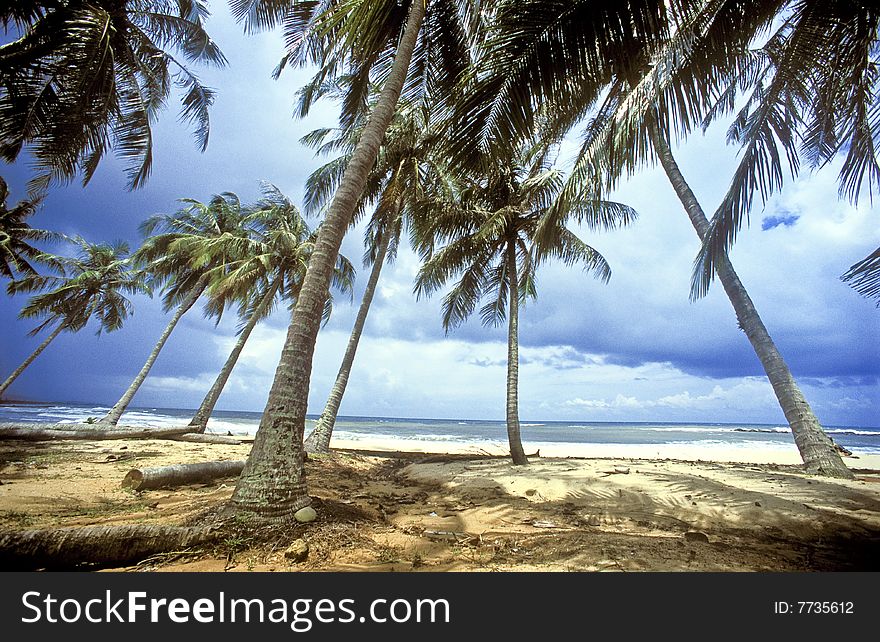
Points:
x=513 y=431
x=200 y=420
x=816 y=448
x=319 y=440
x=112 y=417
x=30 y=359
x=272 y=485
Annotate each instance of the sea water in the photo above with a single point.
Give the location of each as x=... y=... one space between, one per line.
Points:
x=473 y=432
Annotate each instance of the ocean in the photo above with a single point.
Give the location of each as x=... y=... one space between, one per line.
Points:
x=475 y=433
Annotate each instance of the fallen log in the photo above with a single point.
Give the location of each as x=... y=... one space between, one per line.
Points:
x=201 y=438
x=95 y=546
x=51 y=432
x=180 y=474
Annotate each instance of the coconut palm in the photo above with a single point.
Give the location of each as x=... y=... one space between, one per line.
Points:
x=489 y=229
x=364 y=37
x=170 y=259
x=91 y=285
x=864 y=276
x=397 y=182
x=275 y=255
x=814 y=95
x=817 y=450
x=672 y=83
x=87 y=76
x=16 y=237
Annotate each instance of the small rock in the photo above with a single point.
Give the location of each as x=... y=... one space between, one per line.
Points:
x=306 y=514
x=621 y=470
x=298 y=551
x=594 y=521
x=696 y=536
x=530 y=492
x=758 y=504
x=123 y=448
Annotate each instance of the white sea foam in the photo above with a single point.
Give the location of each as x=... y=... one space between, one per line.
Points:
x=850 y=431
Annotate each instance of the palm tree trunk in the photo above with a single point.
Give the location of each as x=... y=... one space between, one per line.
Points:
x=513 y=430
x=30 y=359
x=272 y=485
x=319 y=440
x=203 y=414
x=816 y=448
x=112 y=417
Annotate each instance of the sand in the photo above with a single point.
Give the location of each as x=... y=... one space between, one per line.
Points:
x=626 y=508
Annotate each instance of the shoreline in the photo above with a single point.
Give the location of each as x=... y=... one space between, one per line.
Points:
x=762 y=453
x=745 y=454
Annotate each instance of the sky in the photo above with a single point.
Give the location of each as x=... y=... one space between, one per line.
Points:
x=635 y=349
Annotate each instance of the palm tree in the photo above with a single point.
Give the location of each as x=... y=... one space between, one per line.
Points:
x=815 y=94
x=171 y=258
x=275 y=256
x=397 y=182
x=361 y=35
x=16 y=236
x=864 y=276
x=86 y=76
x=675 y=81
x=490 y=228
x=91 y=285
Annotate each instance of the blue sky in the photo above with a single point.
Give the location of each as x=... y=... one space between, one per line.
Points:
x=635 y=349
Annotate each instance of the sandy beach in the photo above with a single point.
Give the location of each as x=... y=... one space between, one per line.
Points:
x=383 y=509
x=787 y=455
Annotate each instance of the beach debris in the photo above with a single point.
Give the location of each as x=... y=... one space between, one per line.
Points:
x=95 y=546
x=201 y=438
x=618 y=470
x=758 y=504
x=180 y=474
x=433 y=514
x=543 y=523
x=305 y=515
x=696 y=536
x=452 y=536
x=530 y=492
x=298 y=551
x=51 y=432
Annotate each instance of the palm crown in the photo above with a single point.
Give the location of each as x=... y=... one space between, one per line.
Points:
x=506 y=213
x=182 y=248
x=90 y=75
x=16 y=237
x=273 y=255
x=92 y=284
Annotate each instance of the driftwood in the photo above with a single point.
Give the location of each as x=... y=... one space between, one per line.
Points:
x=201 y=438
x=180 y=474
x=94 y=545
x=51 y=432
